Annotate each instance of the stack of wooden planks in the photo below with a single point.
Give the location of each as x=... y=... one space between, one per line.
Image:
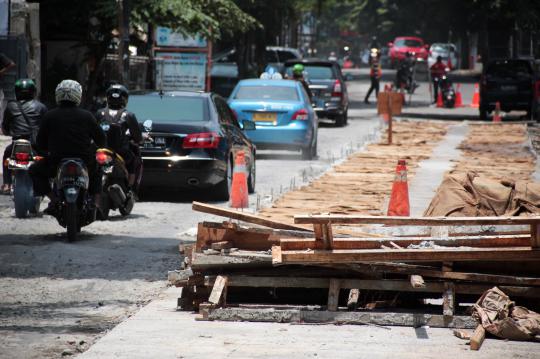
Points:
x=274 y=271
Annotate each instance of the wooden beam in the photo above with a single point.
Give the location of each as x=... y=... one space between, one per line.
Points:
x=333 y=294
x=414 y=255
x=415 y=221
x=535 y=236
x=523 y=240
x=478 y=337
x=323 y=235
x=425 y=271
x=449 y=294
x=369 y=284
x=219 y=290
x=242 y=216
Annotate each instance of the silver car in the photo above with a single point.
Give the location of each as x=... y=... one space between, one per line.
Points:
x=447 y=52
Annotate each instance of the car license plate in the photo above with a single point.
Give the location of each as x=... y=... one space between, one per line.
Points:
x=265 y=117
x=159 y=141
x=508 y=88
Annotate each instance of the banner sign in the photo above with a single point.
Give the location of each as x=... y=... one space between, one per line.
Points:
x=177 y=71
x=166 y=37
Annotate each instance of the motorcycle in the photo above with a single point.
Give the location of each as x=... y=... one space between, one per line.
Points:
x=74 y=208
x=406 y=78
x=448 y=93
x=22 y=157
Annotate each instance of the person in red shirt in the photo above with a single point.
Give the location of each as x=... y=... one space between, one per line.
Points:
x=438 y=70
x=375 y=74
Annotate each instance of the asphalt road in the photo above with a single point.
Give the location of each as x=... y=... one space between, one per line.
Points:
x=58 y=297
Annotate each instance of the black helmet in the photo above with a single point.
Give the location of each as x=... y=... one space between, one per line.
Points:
x=117 y=96
x=439 y=58
x=25 y=89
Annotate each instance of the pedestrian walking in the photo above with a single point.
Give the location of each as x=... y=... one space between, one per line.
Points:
x=375 y=74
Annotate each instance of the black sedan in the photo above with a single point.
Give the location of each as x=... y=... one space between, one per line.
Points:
x=193 y=141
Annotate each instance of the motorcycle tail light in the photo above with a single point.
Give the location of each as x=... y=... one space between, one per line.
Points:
x=102 y=158
x=201 y=140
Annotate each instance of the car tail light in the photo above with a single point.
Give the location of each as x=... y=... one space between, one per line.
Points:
x=301 y=115
x=201 y=140
x=337 y=91
x=102 y=158
x=22 y=158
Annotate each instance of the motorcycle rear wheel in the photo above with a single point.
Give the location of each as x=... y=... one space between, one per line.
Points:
x=71 y=217
x=23 y=194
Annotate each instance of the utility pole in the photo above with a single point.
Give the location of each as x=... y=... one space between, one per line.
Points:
x=124 y=9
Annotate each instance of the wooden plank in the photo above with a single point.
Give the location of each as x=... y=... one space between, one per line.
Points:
x=449 y=299
x=535 y=236
x=415 y=221
x=239 y=259
x=333 y=294
x=369 y=284
x=416 y=255
x=242 y=216
x=417 y=281
x=262 y=230
x=478 y=337
x=425 y=271
x=376 y=243
x=219 y=289
x=291 y=315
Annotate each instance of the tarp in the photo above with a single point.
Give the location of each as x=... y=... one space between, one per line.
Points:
x=469 y=195
x=502 y=318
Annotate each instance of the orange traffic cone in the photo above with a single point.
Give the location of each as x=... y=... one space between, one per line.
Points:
x=239 y=190
x=497 y=113
x=439 y=100
x=399 y=199
x=476 y=97
x=459 y=100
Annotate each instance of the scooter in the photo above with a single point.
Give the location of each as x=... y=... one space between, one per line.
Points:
x=447 y=92
x=74 y=207
x=22 y=157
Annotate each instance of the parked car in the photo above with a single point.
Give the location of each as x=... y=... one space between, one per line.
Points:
x=282 y=113
x=327 y=86
x=448 y=52
x=193 y=141
x=511 y=82
x=224 y=73
x=403 y=44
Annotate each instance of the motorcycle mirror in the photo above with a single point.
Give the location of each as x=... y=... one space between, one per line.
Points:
x=147 y=125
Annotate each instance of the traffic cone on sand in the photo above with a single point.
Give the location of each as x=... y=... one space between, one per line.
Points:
x=459 y=99
x=476 y=97
x=497 y=112
x=399 y=199
x=239 y=189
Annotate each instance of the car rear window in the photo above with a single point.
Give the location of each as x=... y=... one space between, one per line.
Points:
x=274 y=93
x=509 y=69
x=286 y=55
x=408 y=43
x=168 y=109
x=315 y=72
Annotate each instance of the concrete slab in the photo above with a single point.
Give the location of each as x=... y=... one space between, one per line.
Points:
x=430 y=173
x=158 y=331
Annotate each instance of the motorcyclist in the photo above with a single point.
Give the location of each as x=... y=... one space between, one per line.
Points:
x=125 y=135
x=67 y=132
x=438 y=70
x=298 y=75
x=22 y=119
x=404 y=72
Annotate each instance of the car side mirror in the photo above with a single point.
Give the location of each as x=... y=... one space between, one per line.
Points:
x=147 y=125
x=248 y=125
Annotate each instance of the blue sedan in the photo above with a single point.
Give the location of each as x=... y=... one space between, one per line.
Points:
x=282 y=112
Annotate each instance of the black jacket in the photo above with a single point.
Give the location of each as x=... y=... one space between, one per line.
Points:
x=68 y=131
x=14 y=123
x=121 y=121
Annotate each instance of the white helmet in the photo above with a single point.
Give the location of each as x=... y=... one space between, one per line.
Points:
x=68 y=90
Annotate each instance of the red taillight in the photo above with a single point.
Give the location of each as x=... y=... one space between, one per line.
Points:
x=301 y=115
x=71 y=169
x=201 y=140
x=102 y=158
x=337 y=91
x=22 y=157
